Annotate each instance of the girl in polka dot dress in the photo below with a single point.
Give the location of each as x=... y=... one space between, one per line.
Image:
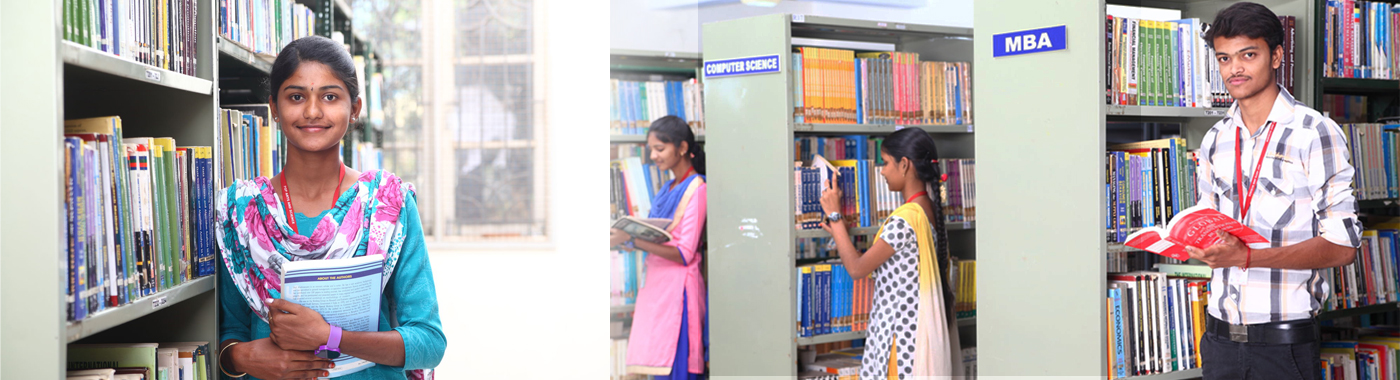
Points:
x=910 y=336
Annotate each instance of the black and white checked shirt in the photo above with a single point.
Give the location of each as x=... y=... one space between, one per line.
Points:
x=1304 y=190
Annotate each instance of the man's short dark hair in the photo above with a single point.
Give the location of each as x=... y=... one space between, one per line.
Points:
x=1246 y=19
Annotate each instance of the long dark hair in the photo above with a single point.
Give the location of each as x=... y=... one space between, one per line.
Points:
x=918 y=147
x=672 y=130
x=314 y=49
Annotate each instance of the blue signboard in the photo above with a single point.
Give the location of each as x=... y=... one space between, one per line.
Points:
x=764 y=64
x=1028 y=41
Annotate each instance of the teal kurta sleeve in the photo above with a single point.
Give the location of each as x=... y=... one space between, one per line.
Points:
x=236 y=318
x=415 y=296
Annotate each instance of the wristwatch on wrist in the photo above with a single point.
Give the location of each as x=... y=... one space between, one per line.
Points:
x=834 y=216
x=331 y=349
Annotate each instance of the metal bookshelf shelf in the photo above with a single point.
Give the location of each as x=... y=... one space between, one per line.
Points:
x=1378 y=203
x=645 y=61
x=836 y=28
x=615 y=139
x=853 y=335
x=622 y=309
x=236 y=52
x=1194 y=373
x=1152 y=111
x=1356 y=85
x=820 y=233
x=136 y=309
x=85 y=57
x=1362 y=310
x=875 y=129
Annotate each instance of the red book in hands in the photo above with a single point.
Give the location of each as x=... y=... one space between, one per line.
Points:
x=1194 y=227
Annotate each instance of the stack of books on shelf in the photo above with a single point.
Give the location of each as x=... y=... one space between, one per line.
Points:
x=841 y=364
x=265 y=26
x=1375 y=158
x=1155 y=322
x=253 y=146
x=1371 y=279
x=857 y=163
x=636 y=104
x=843 y=87
x=1167 y=63
x=367 y=157
x=139 y=361
x=138 y=213
x=1359 y=39
x=1346 y=108
x=831 y=301
x=1147 y=184
x=963 y=277
x=634 y=181
x=156 y=33
x=628 y=274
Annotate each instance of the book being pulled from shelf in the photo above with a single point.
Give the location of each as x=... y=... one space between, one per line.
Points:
x=636 y=104
x=1371 y=278
x=265 y=26
x=1346 y=108
x=156 y=33
x=1155 y=323
x=1375 y=154
x=1359 y=39
x=843 y=87
x=253 y=146
x=857 y=162
x=830 y=301
x=138 y=215
x=1147 y=183
x=134 y=361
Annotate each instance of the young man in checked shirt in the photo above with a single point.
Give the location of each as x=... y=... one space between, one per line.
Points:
x=1280 y=168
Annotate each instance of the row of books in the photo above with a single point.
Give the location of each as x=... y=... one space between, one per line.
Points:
x=1346 y=108
x=140 y=361
x=265 y=26
x=831 y=301
x=1359 y=39
x=629 y=273
x=1375 y=158
x=1123 y=259
x=1147 y=183
x=824 y=247
x=252 y=144
x=1371 y=279
x=962 y=276
x=842 y=87
x=365 y=157
x=845 y=363
x=138 y=215
x=1167 y=63
x=855 y=162
x=1358 y=353
x=634 y=184
x=159 y=33
x=1155 y=323
x=636 y=104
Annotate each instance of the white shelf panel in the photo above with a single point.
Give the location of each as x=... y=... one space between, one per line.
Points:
x=93 y=59
x=144 y=306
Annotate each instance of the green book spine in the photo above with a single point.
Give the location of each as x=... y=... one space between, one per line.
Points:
x=172 y=204
x=1141 y=51
x=68 y=20
x=1176 y=62
x=128 y=230
x=1157 y=90
x=157 y=169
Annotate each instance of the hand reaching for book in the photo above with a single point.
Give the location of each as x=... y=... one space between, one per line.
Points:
x=1227 y=252
x=831 y=199
x=264 y=360
x=296 y=327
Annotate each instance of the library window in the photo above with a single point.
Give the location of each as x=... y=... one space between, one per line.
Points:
x=466 y=110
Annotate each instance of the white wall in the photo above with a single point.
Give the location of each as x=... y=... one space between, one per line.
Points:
x=637 y=26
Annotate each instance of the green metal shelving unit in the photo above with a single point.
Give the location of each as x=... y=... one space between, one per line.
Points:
x=749 y=152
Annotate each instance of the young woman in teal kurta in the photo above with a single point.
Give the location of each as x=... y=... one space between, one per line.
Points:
x=259 y=229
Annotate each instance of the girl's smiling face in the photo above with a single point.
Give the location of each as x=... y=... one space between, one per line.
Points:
x=314 y=108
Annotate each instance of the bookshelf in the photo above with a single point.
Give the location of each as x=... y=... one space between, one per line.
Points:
x=1382 y=94
x=65 y=80
x=1051 y=129
x=750 y=158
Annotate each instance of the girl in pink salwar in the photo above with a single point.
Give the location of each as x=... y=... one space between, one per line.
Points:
x=668 y=327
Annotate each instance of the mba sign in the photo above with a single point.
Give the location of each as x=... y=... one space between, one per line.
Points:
x=1028 y=41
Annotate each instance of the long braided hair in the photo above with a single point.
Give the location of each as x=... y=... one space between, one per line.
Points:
x=918 y=147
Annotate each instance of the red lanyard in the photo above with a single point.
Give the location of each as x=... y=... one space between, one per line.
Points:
x=677 y=181
x=916 y=195
x=287 y=198
x=1253 y=180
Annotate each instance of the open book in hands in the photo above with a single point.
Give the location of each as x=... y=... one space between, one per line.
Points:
x=1194 y=227
x=652 y=230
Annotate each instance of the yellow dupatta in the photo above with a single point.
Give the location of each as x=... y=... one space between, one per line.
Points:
x=932 y=353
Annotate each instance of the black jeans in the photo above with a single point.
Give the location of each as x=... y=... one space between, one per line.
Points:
x=1222 y=359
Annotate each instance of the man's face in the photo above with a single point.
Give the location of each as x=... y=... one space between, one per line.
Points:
x=1246 y=65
